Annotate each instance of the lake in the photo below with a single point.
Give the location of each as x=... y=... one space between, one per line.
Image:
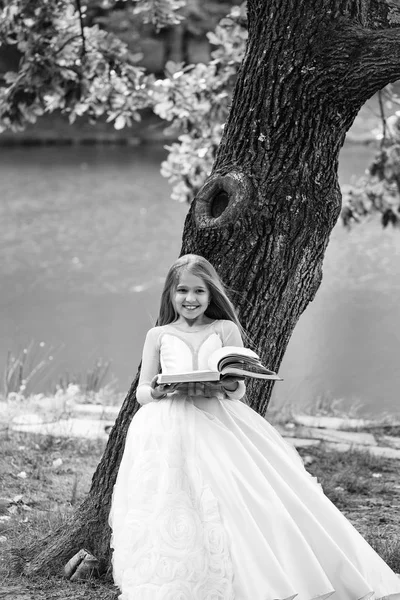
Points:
x=88 y=233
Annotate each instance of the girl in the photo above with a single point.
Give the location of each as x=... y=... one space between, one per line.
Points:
x=210 y=502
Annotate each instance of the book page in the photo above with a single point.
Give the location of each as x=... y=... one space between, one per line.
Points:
x=190 y=376
x=234 y=351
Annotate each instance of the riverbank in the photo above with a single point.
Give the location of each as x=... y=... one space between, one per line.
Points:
x=55 y=130
x=68 y=415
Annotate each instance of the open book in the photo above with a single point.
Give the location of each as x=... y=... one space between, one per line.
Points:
x=224 y=362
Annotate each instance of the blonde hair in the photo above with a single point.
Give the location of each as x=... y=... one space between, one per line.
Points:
x=220 y=306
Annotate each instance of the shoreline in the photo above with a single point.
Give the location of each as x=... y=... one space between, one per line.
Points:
x=55 y=130
x=65 y=416
x=106 y=138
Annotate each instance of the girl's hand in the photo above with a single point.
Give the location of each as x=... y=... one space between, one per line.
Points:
x=195 y=389
x=212 y=388
x=209 y=389
x=204 y=389
x=230 y=384
x=160 y=391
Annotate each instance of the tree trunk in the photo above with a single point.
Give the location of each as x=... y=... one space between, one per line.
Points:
x=175 y=44
x=265 y=214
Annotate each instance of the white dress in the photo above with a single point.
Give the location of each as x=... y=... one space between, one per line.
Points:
x=211 y=503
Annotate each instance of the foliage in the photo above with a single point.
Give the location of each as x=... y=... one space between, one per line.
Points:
x=197 y=16
x=135 y=23
x=196 y=99
x=160 y=12
x=65 y=65
x=378 y=191
x=85 y=70
x=72 y=58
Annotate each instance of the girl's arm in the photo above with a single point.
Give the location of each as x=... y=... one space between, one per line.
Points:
x=231 y=337
x=150 y=368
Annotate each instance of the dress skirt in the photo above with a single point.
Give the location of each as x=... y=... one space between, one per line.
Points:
x=211 y=503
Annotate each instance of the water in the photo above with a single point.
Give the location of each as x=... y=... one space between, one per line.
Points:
x=87 y=235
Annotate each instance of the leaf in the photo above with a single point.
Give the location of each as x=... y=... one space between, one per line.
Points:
x=171 y=67
x=10 y=77
x=120 y=122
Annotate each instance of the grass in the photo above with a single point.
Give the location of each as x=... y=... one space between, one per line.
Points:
x=27 y=368
x=24 y=372
x=366 y=489
x=41 y=588
x=360 y=484
x=92 y=382
x=58 y=475
x=387 y=546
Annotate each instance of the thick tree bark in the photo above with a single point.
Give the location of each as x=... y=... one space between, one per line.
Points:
x=265 y=214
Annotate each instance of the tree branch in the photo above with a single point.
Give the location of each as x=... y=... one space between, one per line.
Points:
x=78 y=3
x=366 y=59
x=380 y=51
x=383 y=119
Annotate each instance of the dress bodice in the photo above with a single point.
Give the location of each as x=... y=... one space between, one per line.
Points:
x=168 y=349
x=186 y=351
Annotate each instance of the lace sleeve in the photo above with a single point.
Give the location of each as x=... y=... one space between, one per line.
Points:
x=150 y=365
x=231 y=337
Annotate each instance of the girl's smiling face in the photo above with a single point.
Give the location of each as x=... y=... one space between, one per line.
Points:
x=191 y=297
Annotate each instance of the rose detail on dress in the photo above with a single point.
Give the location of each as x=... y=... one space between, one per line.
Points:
x=172 y=543
x=175 y=590
x=136 y=525
x=214 y=589
x=178 y=481
x=179 y=525
x=215 y=538
x=144 y=477
x=166 y=569
x=141 y=592
x=209 y=505
x=143 y=570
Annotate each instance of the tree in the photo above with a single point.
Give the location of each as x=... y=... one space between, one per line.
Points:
x=265 y=214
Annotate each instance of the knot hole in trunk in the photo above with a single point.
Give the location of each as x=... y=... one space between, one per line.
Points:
x=221 y=199
x=219 y=203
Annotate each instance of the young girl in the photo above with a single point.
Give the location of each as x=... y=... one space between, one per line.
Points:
x=210 y=502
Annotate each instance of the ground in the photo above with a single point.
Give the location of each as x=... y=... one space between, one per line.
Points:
x=365 y=488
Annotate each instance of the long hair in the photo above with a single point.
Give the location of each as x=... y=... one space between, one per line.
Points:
x=220 y=306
